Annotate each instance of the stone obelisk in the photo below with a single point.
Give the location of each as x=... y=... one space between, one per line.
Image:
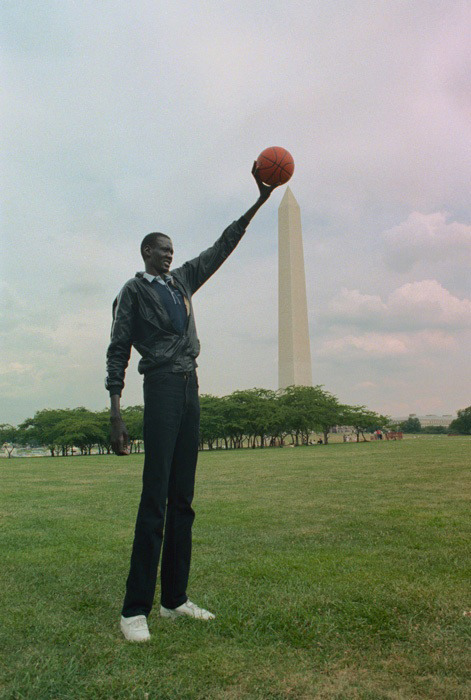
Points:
x=294 y=352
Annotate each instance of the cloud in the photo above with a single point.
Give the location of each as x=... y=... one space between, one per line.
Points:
x=352 y=305
x=13 y=309
x=428 y=304
x=417 y=321
x=14 y=368
x=83 y=290
x=424 y=304
x=427 y=238
x=382 y=345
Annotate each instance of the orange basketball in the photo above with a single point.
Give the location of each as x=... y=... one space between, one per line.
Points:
x=275 y=165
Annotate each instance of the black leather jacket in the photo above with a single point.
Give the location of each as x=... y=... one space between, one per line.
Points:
x=140 y=319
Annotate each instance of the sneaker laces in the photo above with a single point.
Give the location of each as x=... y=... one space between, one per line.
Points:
x=199 y=612
x=140 y=623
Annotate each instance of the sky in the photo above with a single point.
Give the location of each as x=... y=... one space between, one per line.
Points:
x=124 y=118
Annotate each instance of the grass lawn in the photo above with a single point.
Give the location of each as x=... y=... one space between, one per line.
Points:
x=339 y=571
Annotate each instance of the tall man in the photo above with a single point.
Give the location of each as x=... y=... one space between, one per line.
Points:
x=153 y=313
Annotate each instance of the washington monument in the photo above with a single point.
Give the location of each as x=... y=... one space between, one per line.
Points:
x=294 y=352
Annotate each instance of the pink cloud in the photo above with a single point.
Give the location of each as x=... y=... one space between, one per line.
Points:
x=355 y=304
x=427 y=237
x=380 y=345
x=431 y=303
x=414 y=305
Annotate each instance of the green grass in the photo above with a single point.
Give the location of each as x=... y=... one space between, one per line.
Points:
x=339 y=571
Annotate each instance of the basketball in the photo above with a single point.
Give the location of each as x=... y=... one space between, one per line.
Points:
x=275 y=165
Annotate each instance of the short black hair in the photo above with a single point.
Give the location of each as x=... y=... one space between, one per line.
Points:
x=151 y=239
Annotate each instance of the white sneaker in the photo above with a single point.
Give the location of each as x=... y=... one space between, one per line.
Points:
x=135 y=628
x=189 y=609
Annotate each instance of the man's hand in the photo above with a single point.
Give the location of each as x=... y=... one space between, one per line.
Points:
x=119 y=437
x=265 y=190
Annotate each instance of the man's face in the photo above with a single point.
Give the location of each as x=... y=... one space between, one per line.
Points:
x=159 y=257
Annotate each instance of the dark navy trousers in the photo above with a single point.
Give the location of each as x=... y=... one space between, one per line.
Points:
x=165 y=516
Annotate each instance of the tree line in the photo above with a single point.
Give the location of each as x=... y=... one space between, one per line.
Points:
x=262 y=417
x=459 y=426
x=246 y=418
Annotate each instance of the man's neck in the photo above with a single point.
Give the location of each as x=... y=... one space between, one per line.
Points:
x=153 y=272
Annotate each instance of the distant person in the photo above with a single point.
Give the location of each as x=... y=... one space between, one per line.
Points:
x=153 y=313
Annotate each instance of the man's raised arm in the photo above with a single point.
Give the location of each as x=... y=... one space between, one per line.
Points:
x=200 y=269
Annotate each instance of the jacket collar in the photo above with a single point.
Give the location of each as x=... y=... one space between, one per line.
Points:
x=162 y=279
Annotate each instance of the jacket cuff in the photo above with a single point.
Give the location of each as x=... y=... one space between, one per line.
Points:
x=243 y=222
x=115 y=390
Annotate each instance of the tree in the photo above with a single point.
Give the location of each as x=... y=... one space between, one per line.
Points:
x=462 y=424
x=411 y=425
x=8 y=437
x=254 y=409
x=278 y=422
x=79 y=428
x=233 y=421
x=296 y=402
x=40 y=429
x=309 y=408
x=60 y=430
x=328 y=412
x=133 y=417
x=363 y=420
x=435 y=429
x=104 y=441
x=211 y=420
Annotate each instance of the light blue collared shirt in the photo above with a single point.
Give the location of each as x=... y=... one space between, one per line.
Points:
x=167 y=281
